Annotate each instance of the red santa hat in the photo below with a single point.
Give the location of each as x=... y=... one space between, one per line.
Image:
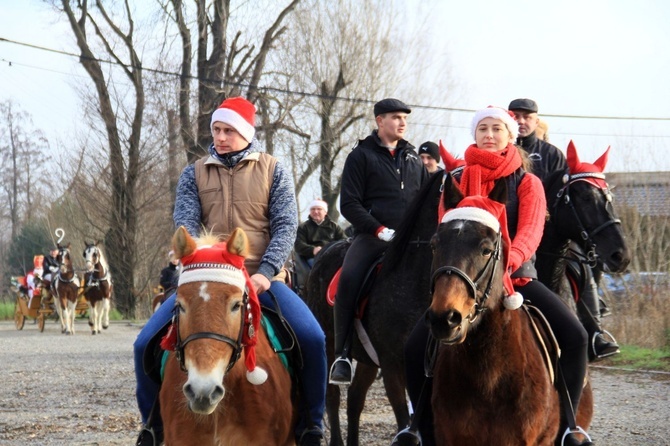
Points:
x=494 y=215
x=216 y=264
x=319 y=203
x=497 y=113
x=238 y=113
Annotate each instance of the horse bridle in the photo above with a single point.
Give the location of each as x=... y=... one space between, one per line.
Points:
x=61 y=253
x=96 y=254
x=586 y=235
x=474 y=285
x=237 y=344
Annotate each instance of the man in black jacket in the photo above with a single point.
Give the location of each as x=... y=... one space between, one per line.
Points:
x=547 y=159
x=381 y=176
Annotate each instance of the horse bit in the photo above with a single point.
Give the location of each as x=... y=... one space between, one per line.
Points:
x=236 y=344
x=587 y=236
x=491 y=264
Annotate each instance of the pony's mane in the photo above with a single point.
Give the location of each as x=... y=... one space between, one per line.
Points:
x=403 y=233
x=208 y=239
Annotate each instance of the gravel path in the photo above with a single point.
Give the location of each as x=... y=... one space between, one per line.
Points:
x=79 y=390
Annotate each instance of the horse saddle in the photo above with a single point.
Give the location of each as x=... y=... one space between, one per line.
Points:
x=545 y=339
x=280 y=334
x=366 y=286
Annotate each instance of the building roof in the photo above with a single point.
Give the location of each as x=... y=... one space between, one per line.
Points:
x=647 y=192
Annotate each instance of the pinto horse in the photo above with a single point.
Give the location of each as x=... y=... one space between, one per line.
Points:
x=207 y=396
x=65 y=289
x=398 y=297
x=581 y=210
x=491 y=384
x=97 y=287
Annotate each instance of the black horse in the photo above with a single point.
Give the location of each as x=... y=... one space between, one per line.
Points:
x=581 y=212
x=398 y=297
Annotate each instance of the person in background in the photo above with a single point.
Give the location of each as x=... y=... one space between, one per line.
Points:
x=491 y=157
x=170 y=274
x=542 y=130
x=429 y=153
x=236 y=185
x=546 y=159
x=381 y=177
x=50 y=267
x=316 y=232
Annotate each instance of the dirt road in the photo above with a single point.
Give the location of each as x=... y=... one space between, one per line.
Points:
x=79 y=390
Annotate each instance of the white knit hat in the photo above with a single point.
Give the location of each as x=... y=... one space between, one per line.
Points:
x=497 y=113
x=238 y=113
x=318 y=203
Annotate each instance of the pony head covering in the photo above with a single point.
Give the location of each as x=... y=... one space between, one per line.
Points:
x=497 y=113
x=494 y=215
x=216 y=264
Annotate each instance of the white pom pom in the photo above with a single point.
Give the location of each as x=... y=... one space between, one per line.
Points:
x=257 y=377
x=513 y=301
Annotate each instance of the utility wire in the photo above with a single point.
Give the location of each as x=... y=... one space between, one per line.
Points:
x=303 y=93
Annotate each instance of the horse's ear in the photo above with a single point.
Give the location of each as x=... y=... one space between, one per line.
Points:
x=572 y=157
x=452 y=193
x=499 y=191
x=601 y=162
x=238 y=243
x=182 y=243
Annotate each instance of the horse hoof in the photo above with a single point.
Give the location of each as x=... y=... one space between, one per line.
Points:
x=105 y=327
x=99 y=331
x=93 y=332
x=90 y=324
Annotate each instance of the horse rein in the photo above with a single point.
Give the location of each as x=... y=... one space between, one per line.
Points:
x=62 y=252
x=587 y=236
x=491 y=264
x=105 y=277
x=236 y=344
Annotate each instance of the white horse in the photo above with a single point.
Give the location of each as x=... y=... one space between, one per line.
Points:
x=97 y=287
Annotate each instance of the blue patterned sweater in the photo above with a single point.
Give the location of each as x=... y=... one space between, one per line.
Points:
x=283 y=213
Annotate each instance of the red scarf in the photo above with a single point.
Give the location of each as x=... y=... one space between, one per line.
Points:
x=483 y=167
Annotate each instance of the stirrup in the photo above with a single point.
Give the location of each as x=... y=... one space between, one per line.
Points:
x=148 y=437
x=347 y=361
x=576 y=430
x=409 y=435
x=605 y=355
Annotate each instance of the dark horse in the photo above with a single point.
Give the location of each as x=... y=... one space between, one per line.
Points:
x=491 y=384
x=581 y=210
x=398 y=297
x=97 y=287
x=65 y=289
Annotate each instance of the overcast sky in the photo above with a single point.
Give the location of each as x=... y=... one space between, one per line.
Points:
x=574 y=57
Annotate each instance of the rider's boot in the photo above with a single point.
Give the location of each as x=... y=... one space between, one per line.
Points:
x=311 y=437
x=573 y=380
x=341 y=372
x=601 y=343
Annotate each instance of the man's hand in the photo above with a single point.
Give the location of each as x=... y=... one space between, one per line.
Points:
x=260 y=282
x=316 y=250
x=386 y=234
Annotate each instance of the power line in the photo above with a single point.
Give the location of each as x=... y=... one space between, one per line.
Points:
x=307 y=94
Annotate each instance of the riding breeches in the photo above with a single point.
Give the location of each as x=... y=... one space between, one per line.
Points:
x=363 y=251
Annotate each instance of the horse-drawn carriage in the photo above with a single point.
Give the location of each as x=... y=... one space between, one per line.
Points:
x=41 y=305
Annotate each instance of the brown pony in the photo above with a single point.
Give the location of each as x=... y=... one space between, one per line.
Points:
x=491 y=384
x=97 y=287
x=207 y=396
x=65 y=289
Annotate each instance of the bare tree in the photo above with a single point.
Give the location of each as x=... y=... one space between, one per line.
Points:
x=225 y=66
x=91 y=27
x=20 y=145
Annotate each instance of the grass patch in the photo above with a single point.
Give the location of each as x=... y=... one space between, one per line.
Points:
x=641 y=358
x=6 y=310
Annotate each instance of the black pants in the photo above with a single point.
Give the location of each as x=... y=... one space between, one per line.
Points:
x=364 y=250
x=569 y=332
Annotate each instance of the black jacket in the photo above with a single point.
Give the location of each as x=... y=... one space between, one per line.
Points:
x=169 y=277
x=311 y=235
x=546 y=157
x=376 y=187
x=49 y=265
